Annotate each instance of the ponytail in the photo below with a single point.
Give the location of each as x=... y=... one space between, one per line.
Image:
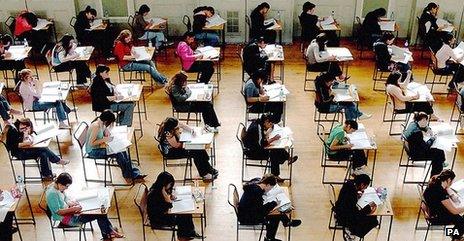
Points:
x=443 y=176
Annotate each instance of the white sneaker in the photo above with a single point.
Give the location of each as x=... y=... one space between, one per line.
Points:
x=208 y=176
x=365 y=116
x=211 y=129
x=360 y=170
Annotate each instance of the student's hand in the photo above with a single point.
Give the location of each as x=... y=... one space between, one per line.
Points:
x=416 y=96
x=107 y=139
x=73 y=203
x=349 y=146
x=76 y=209
x=276 y=137
x=1 y=196
x=333 y=58
x=173 y=197
x=199 y=56
x=7 y=54
x=373 y=207
x=264 y=98
x=455 y=198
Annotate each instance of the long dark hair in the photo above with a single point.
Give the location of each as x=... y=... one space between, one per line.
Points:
x=65 y=42
x=203 y=8
x=321 y=40
x=107 y=117
x=31 y=18
x=101 y=68
x=143 y=9
x=90 y=10
x=178 y=79
x=262 y=6
x=443 y=176
x=393 y=78
x=163 y=179
x=168 y=125
x=308 y=6
x=429 y=7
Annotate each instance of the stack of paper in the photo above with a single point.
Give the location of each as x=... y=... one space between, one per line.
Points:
x=360 y=139
x=328 y=23
x=208 y=52
x=41 y=24
x=200 y=92
x=445 y=139
x=18 y=52
x=199 y=136
x=342 y=54
x=120 y=141
x=274 y=51
x=126 y=91
x=215 y=20
x=424 y=93
x=387 y=26
x=96 y=23
x=274 y=91
x=184 y=200
x=5 y=204
x=400 y=55
x=286 y=136
x=278 y=195
x=459 y=51
x=45 y=132
x=93 y=199
x=369 y=195
x=448 y=27
x=158 y=21
x=140 y=53
x=458 y=187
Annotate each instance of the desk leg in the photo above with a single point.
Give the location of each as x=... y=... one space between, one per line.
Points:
x=280 y=37
x=289 y=229
x=202 y=228
x=59 y=147
x=390 y=228
x=454 y=158
x=282 y=72
x=117 y=208
x=373 y=165
x=17 y=226
x=291 y=167
x=136 y=149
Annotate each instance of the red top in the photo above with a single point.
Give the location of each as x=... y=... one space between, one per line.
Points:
x=21 y=26
x=121 y=50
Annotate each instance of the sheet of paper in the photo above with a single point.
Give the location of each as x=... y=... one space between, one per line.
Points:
x=183 y=190
x=274 y=91
x=140 y=53
x=278 y=195
x=327 y=21
x=158 y=21
x=208 y=52
x=200 y=92
x=458 y=187
x=387 y=26
x=45 y=132
x=42 y=23
x=445 y=138
x=93 y=199
x=424 y=93
x=274 y=51
x=215 y=20
x=183 y=205
x=120 y=142
x=369 y=195
x=329 y=27
x=18 y=52
x=200 y=137
x=342 y=54
x=96 y=23
x=442 y=23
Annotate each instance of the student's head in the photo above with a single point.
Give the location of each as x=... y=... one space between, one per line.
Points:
x=209 y=11
x=164 y=180
x=361 y=182
x=26 y=75
x=63 y=181
x=259 y=76
x=422 y=119
x=67 y=42
x=449 y=39
x=103 y=71
x=393 y=78
x=268 y=182
x=326 y=78
x=170 y=124
x=445 y=178
x=309 y=7
x=266 y=121
x=380 y=12
x=350 y=126
x=125 y=36
x=263 y=8
x=31 y=18
x=260 y=42
x=90 y=13
x=189 y=37
x=24 y=125
x=143 y=10
x=388 y=38
x=107 y=117
x=6 y=40
x=321 y=40
x=432 y=8
x=179 y=79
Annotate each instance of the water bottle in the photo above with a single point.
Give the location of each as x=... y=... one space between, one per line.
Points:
x=20 y=183
x=106 y=14
x=392 y=16
x=150 y=44
x=406 y=44
x=282 y=94
x=333 y=14
x=26 y=44
x=278 y=15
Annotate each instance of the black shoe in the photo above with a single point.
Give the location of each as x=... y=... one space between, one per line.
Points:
x=14 y=230
x=293 y=223
x=271 y=239
x=140 y=176
x=294 y=159
x=215 y=172
x=195 y=235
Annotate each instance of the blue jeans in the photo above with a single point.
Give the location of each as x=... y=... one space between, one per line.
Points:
x=62 y=109
x=126 y=112
x=103 y=223
x=208 y=38
x=146 y=66
x=122 y=158
x=157 y=38
x=4 y=108
x=351 y=110
x=44 y=155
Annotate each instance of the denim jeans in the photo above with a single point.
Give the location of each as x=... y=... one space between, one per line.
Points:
x=126 y=112
x=208 y=38
x=62 y=109
x=122 y=158
x=44 y=155
x=4 y=108
x=103 y=223
x=351 y=110
x=157 y=38
x=146 y=66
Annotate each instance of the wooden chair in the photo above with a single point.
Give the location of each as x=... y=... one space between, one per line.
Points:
x=233 y=200
x=140 y=200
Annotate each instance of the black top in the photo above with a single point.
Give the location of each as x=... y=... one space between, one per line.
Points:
x=254 y=139
x=13 y=138
x=199 y=22
x=424 y=18
x=309 y=28
x=253 y=58
x=433 y=196
x=257 y=24
x=346 y=209
x=382 y=56
x=323 y=97
x=157 y=209
x=371 y=24
x=82 y=23
x=417 y=145
x=251 y=208
x=179 y=96
x=99 y=91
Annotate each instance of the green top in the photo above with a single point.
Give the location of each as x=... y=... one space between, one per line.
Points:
x=55 y=201
x=337 y=133
x=89 y=147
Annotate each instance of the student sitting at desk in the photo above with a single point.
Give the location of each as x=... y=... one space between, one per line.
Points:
x=357 y=221
x=421 y=149
x=325 y=99
x=159 y=201
x=30 y=98
x=104 y=96
x=142 y=28
x=24 y=25
x=397 y=84
x=429 y=31
x=258 y=101
x=383 y=56
x=6 y=111
x=200 y=16
x=255 y=58
x=320 y=61
x=169 y=136
x=68 y=212
x=448 y=62
x=258 y=28
x=309 y=22
x=252 y=210
x=19 y=142
x=6 y=225
x=86 y=36
x=123 y=52
x=97 y=140
x=63 y=59
x=190 y=60
x=370 y=26
x=257 y=138
x=180 y=92
x=16 y=65
x=444 y=203
x=339 y=147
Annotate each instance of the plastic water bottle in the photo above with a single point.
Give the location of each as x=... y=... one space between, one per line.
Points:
x=106 y=14
x=282 y=94
x=392 y=16
x=333 y=14
x=20 y=183
x=26 y=44
x=406 y=44
x=150 y=44
x=278 y=15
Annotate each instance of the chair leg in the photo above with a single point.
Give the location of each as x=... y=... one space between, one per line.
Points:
x=427 y=232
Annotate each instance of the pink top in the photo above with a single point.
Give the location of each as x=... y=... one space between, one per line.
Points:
x=186 y=55
x=29 y=94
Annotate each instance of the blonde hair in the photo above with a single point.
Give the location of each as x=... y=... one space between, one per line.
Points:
x=23 y=73
x=122 y=35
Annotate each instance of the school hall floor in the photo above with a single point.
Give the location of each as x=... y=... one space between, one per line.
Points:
x=309 y=196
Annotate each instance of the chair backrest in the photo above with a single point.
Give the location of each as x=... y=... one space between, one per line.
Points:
x=332 y=195
x=433 y=59
x=240 y=133
x=10 y=22
x=232 y=197
x=459 y=97
x=392 y=100
x=187 y=22
x=358 y=20
x=239 y=53
x=320 y=130
x=130 y=22
x=72 y=21
x=44 y=206
x=140 y=200
x=81 y=135
x=248 y=21
x=405 y=144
